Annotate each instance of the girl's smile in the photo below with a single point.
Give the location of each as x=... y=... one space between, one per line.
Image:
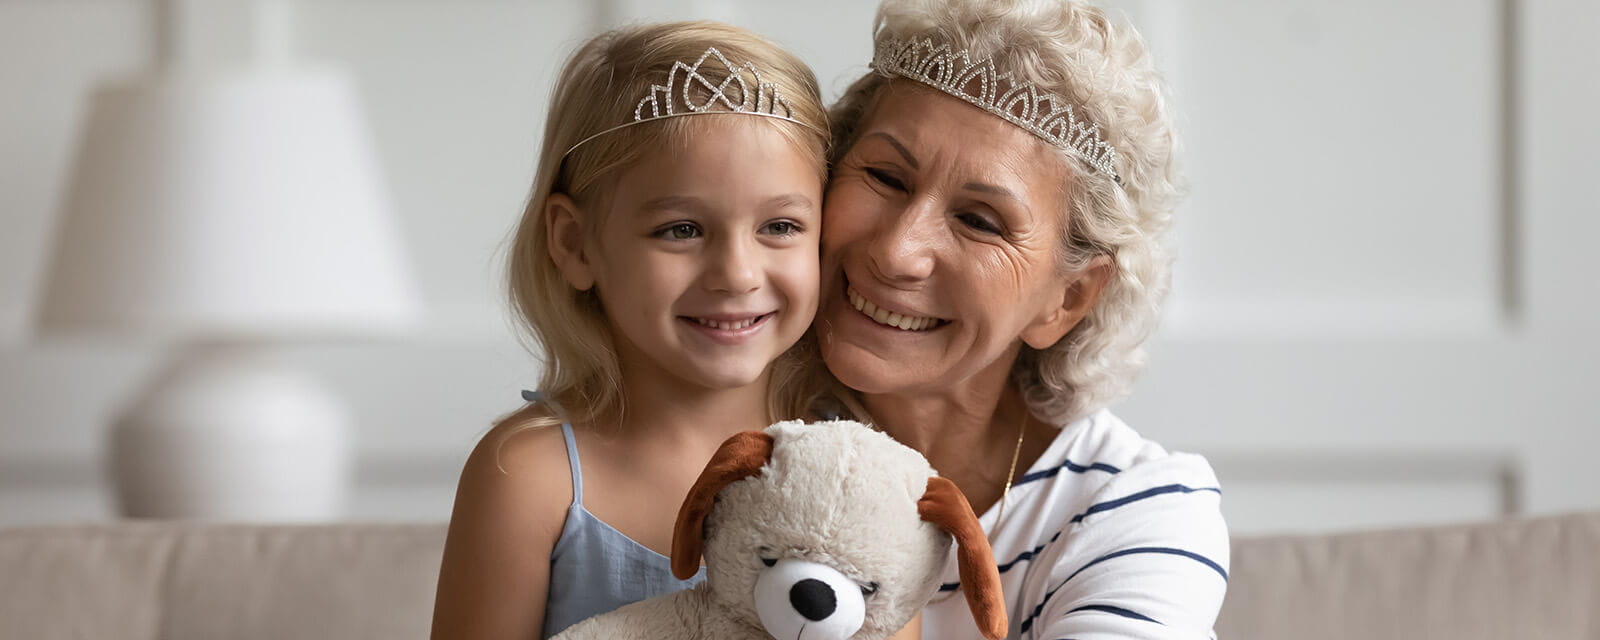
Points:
x=728 y=329
x=705 y=257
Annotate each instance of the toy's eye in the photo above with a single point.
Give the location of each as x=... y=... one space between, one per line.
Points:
x=767 y=556
x=869 y=588
x=771 y=562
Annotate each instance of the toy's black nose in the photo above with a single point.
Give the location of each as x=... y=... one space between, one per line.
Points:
x=813 y=599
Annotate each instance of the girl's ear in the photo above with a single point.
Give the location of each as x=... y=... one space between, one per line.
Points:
x=945 y=506
x=1083 y=291
x=739 y=457
x=568 y=240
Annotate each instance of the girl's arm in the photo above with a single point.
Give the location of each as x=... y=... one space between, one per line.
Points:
x=912 y=630
x=510 y=507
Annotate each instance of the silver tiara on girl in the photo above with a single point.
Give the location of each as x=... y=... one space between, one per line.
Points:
x=979 y=82
x=725 y=87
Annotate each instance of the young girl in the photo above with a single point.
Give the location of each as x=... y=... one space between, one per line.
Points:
x=665 y=266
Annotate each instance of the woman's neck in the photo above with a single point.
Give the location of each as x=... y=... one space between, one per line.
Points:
x=967 y=431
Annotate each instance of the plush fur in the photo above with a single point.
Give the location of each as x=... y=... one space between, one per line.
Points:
x=836 y=494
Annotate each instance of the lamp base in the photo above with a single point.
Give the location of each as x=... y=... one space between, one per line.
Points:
x=230 y=432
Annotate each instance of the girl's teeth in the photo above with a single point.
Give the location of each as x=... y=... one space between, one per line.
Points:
x=727 y=326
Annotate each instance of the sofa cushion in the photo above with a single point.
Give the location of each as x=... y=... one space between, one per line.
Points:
x=1534 y=578
x=180 y=581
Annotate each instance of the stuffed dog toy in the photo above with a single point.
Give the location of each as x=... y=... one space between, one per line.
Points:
x=820 y=531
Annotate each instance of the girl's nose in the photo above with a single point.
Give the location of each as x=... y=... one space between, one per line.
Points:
x=734 y=268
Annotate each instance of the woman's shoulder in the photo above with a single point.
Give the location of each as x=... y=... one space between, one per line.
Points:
x=1099 y=469
x=1134 y=512
x=1101 y=441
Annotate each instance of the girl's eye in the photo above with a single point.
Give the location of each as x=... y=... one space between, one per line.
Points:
x=978 y=223
x=781 y=228
x=886 y=179
x=869 y=588
x=679 y=231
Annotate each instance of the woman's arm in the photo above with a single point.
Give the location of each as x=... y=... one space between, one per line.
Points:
x=1148 y=560
x=510 y=507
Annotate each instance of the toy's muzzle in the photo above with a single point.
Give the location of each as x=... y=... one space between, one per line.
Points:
x=799 y=600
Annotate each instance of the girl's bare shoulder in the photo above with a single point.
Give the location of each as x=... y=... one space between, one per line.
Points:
x=519 y=471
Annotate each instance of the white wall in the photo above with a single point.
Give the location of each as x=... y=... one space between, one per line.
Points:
x=1385 y=288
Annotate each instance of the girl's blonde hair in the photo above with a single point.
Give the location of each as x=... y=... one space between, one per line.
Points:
x=599 y=88
x=1074 y=50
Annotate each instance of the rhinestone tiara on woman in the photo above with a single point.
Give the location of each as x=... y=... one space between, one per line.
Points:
x=979 y=82
x=729 y=88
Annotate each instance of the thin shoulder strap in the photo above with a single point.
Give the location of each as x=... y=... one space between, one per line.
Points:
x=574 y=462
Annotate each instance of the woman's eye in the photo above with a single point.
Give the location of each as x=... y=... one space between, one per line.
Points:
x=781 y=228
x=679 y=231
x=979 y=223
x=869 y=588
x=886 y=179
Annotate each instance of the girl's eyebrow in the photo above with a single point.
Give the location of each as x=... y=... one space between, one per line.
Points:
x=787 y=200
x=691 y=204
x=688 y=204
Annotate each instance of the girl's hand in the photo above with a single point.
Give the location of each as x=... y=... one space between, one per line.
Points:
x=912 y=630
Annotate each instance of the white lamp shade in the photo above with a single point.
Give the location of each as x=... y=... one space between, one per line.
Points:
x=227 y=205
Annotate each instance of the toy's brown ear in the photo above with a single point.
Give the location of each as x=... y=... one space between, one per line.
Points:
x=944 y=505
x=739 y=457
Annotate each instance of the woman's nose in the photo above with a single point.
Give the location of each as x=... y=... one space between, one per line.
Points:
x=902 y=245
x=734 y=268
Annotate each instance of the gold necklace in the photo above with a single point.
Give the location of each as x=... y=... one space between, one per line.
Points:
x=1016 y=454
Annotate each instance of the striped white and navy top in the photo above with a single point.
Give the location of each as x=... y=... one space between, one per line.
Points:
x=1106 y=536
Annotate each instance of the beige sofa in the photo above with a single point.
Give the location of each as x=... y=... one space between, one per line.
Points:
x=1536 y=578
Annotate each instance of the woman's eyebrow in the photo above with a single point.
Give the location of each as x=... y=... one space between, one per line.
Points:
x=985 y=187
x=897 y=147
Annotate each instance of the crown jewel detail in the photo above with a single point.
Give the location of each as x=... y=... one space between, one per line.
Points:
x=764 y=99
x=979 y=82
x=728 y=88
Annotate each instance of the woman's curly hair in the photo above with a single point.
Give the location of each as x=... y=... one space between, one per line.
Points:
x=1104 y=69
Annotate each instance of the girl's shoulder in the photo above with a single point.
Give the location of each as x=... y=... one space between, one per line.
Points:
x=510 y=507
x=518 y=472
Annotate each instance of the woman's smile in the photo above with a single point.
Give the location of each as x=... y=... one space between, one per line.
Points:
x=892 y=318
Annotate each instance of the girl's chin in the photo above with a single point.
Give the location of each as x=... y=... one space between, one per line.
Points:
x=723 y=376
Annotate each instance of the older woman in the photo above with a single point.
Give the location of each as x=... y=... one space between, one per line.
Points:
x=991 y=243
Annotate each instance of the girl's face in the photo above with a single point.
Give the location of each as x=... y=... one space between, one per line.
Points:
x=706 y=259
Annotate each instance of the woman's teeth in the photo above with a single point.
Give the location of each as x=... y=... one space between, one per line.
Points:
x=728 y=326
x=887 y=318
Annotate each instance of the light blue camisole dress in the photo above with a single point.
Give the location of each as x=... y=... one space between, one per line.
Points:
x=594 y=568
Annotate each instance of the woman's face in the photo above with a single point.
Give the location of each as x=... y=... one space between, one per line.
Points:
x=941 y=247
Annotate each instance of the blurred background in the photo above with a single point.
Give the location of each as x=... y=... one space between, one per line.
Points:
x=1385 y=295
